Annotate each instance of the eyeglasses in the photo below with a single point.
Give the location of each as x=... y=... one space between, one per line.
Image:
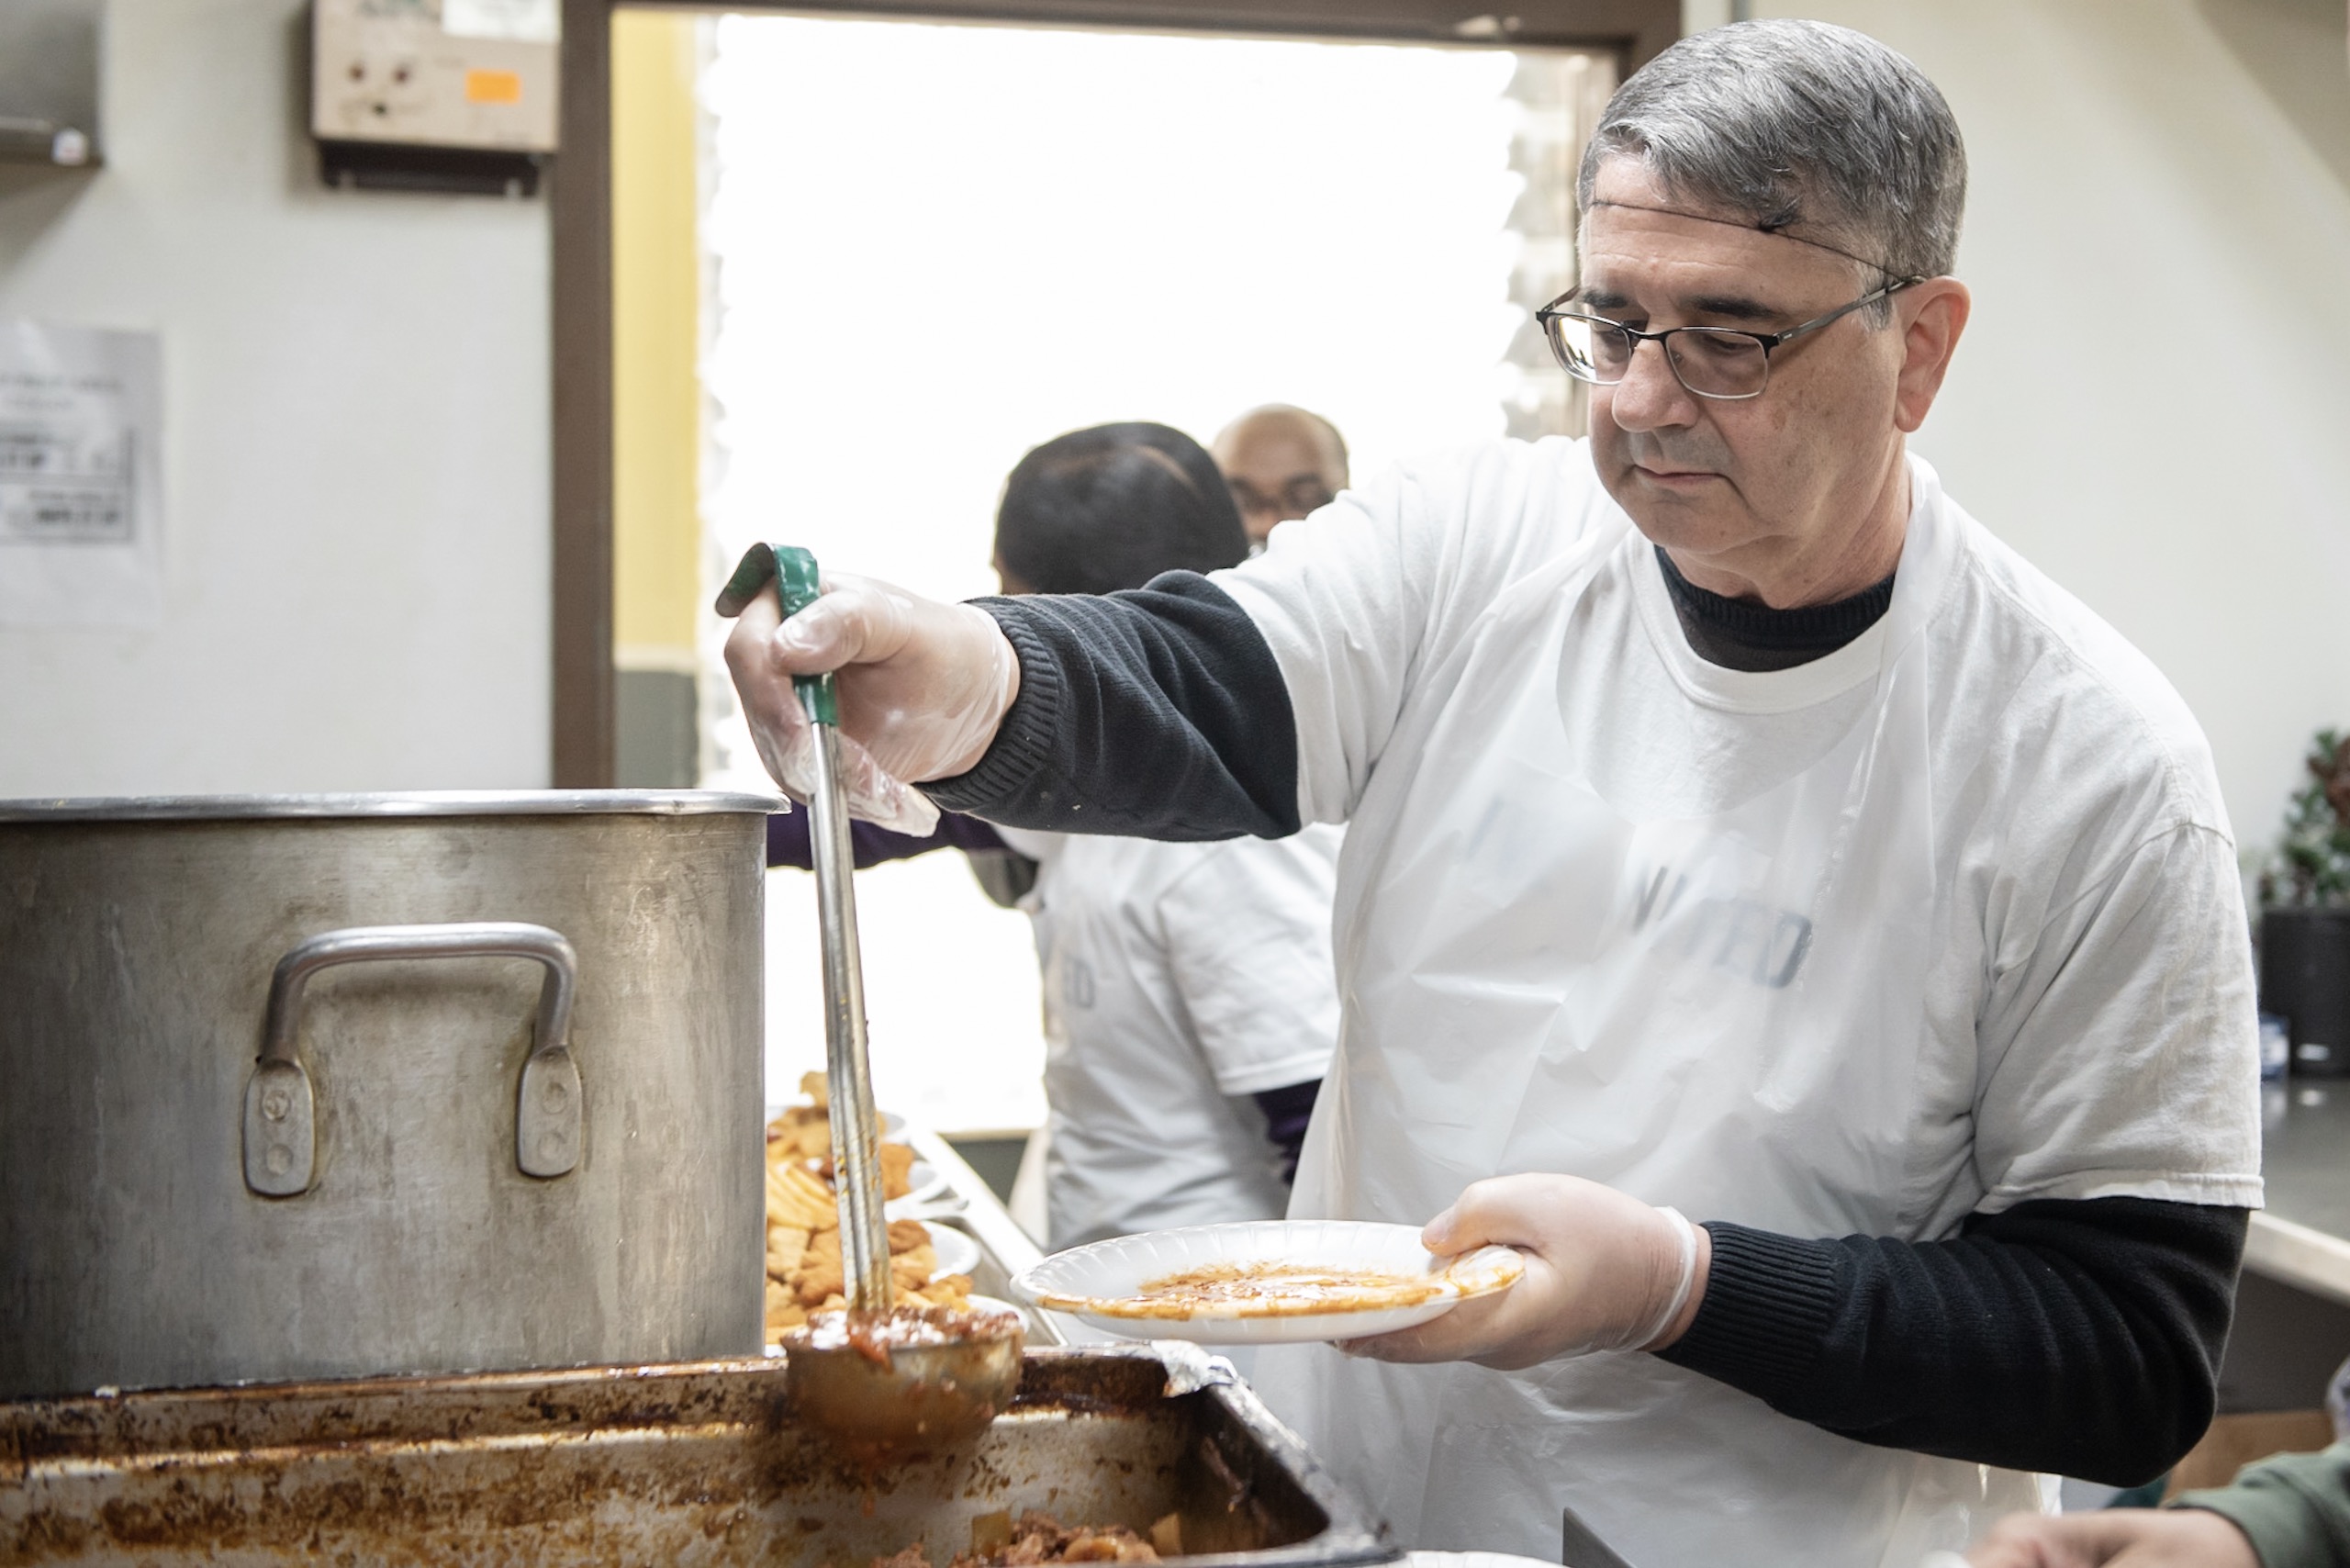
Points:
x=1711 y=361
x=1298 y=497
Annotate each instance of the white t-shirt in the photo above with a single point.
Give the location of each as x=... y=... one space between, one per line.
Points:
x=1178 y=979
x=2089 y=1012
x=1944 y=921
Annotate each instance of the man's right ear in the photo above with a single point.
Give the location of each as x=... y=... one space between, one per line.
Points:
x=1933 y=316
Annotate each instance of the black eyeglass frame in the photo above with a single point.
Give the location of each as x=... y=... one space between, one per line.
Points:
x=1767 y=341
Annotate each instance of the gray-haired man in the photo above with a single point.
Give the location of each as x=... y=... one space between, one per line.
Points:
x=1736 y=826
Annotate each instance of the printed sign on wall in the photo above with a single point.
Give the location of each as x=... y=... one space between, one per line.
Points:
x=80 y=498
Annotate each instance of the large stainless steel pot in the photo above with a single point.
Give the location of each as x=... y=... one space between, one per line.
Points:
x=333 y=1086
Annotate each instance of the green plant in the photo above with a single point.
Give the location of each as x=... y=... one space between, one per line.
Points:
x=2312 y=866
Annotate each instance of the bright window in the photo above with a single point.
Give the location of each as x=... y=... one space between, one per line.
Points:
x=934 y=246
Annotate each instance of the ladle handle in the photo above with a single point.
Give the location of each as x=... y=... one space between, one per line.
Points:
x=856 y=1135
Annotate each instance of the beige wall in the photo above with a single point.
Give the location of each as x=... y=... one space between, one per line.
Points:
x=656 y=343
x=356 y=470
x=2152 y=402
x=658 y=590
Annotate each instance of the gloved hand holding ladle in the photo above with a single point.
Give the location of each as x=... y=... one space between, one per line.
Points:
x=889 y=1383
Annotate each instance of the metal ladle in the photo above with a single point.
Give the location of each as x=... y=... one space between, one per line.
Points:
x=883 y=1401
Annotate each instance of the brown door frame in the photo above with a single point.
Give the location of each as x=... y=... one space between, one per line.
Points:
x=580 y=220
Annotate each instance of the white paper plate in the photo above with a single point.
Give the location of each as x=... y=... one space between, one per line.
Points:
x=1101 y=1283
x=926 y=1183
x=958 y=1254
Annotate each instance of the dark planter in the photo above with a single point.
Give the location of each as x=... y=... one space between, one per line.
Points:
x=2305 y=976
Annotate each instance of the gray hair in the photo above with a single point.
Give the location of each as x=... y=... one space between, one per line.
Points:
x=1797 y=123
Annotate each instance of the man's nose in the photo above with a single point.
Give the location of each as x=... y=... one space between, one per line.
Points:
x=1650 y=396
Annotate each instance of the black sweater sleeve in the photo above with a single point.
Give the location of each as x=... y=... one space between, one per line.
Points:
x=2078 y=1337
x=1159 y=712
x=871 y=845
x=2081 y=1338
x=1289 y=1111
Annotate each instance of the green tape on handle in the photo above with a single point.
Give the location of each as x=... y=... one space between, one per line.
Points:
x=797 y=586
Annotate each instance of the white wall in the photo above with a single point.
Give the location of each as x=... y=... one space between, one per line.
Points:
x=2152 y=402
x=356 y=469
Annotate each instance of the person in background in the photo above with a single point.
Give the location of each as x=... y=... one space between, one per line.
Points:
x=2291 y=1511
x=1191 y=1005
x=1281 y=464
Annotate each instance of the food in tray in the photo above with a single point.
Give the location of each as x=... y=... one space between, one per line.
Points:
x=802 y=1138
x=796 y=1185
x=804 y=1271
x=803 y=1222
x=1000 y=1541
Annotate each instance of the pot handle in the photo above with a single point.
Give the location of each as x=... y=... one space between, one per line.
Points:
x=281 y=1123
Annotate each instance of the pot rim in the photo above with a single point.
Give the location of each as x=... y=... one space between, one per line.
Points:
x=410 y=803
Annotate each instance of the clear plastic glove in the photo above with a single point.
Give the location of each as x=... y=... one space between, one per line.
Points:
x=2122 y=1538
x=1603 y=1272
x=921 y=687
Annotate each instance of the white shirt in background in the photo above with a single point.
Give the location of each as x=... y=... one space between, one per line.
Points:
x=1179 y=981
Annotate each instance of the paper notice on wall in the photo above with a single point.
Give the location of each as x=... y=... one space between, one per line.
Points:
x=80 y=496
x=524 y=21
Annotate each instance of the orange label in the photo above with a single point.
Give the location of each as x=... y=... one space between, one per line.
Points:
x=493 y=86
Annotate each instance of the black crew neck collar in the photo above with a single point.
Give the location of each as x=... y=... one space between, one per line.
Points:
x=1739 y=635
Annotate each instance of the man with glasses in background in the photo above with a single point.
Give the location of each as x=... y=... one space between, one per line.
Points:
x=1281 y=464
x=1737 y=830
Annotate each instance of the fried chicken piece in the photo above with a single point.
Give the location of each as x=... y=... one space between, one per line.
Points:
x=787 y=1246
x=947 y=1290
x=897 y=1166
x=819 y=1281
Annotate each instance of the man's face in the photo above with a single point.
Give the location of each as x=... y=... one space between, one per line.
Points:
x=1744 y=492
x=1278 y=469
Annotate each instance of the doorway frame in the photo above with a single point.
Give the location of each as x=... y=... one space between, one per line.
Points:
x=584 y=726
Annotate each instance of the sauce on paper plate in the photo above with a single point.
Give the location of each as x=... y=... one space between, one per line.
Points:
x=1271 y=1290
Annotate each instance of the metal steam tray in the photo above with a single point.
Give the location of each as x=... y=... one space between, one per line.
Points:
x=699 y=1463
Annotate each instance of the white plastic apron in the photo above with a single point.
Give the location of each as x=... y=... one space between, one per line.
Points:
x=1723 y=1014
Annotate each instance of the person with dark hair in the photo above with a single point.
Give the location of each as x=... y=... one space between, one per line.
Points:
x=1111 y=508
x=1737 y=830
x=1189 y=999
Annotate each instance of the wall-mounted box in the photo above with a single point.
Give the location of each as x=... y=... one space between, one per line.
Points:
x=48 y=82
x=434 y=95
